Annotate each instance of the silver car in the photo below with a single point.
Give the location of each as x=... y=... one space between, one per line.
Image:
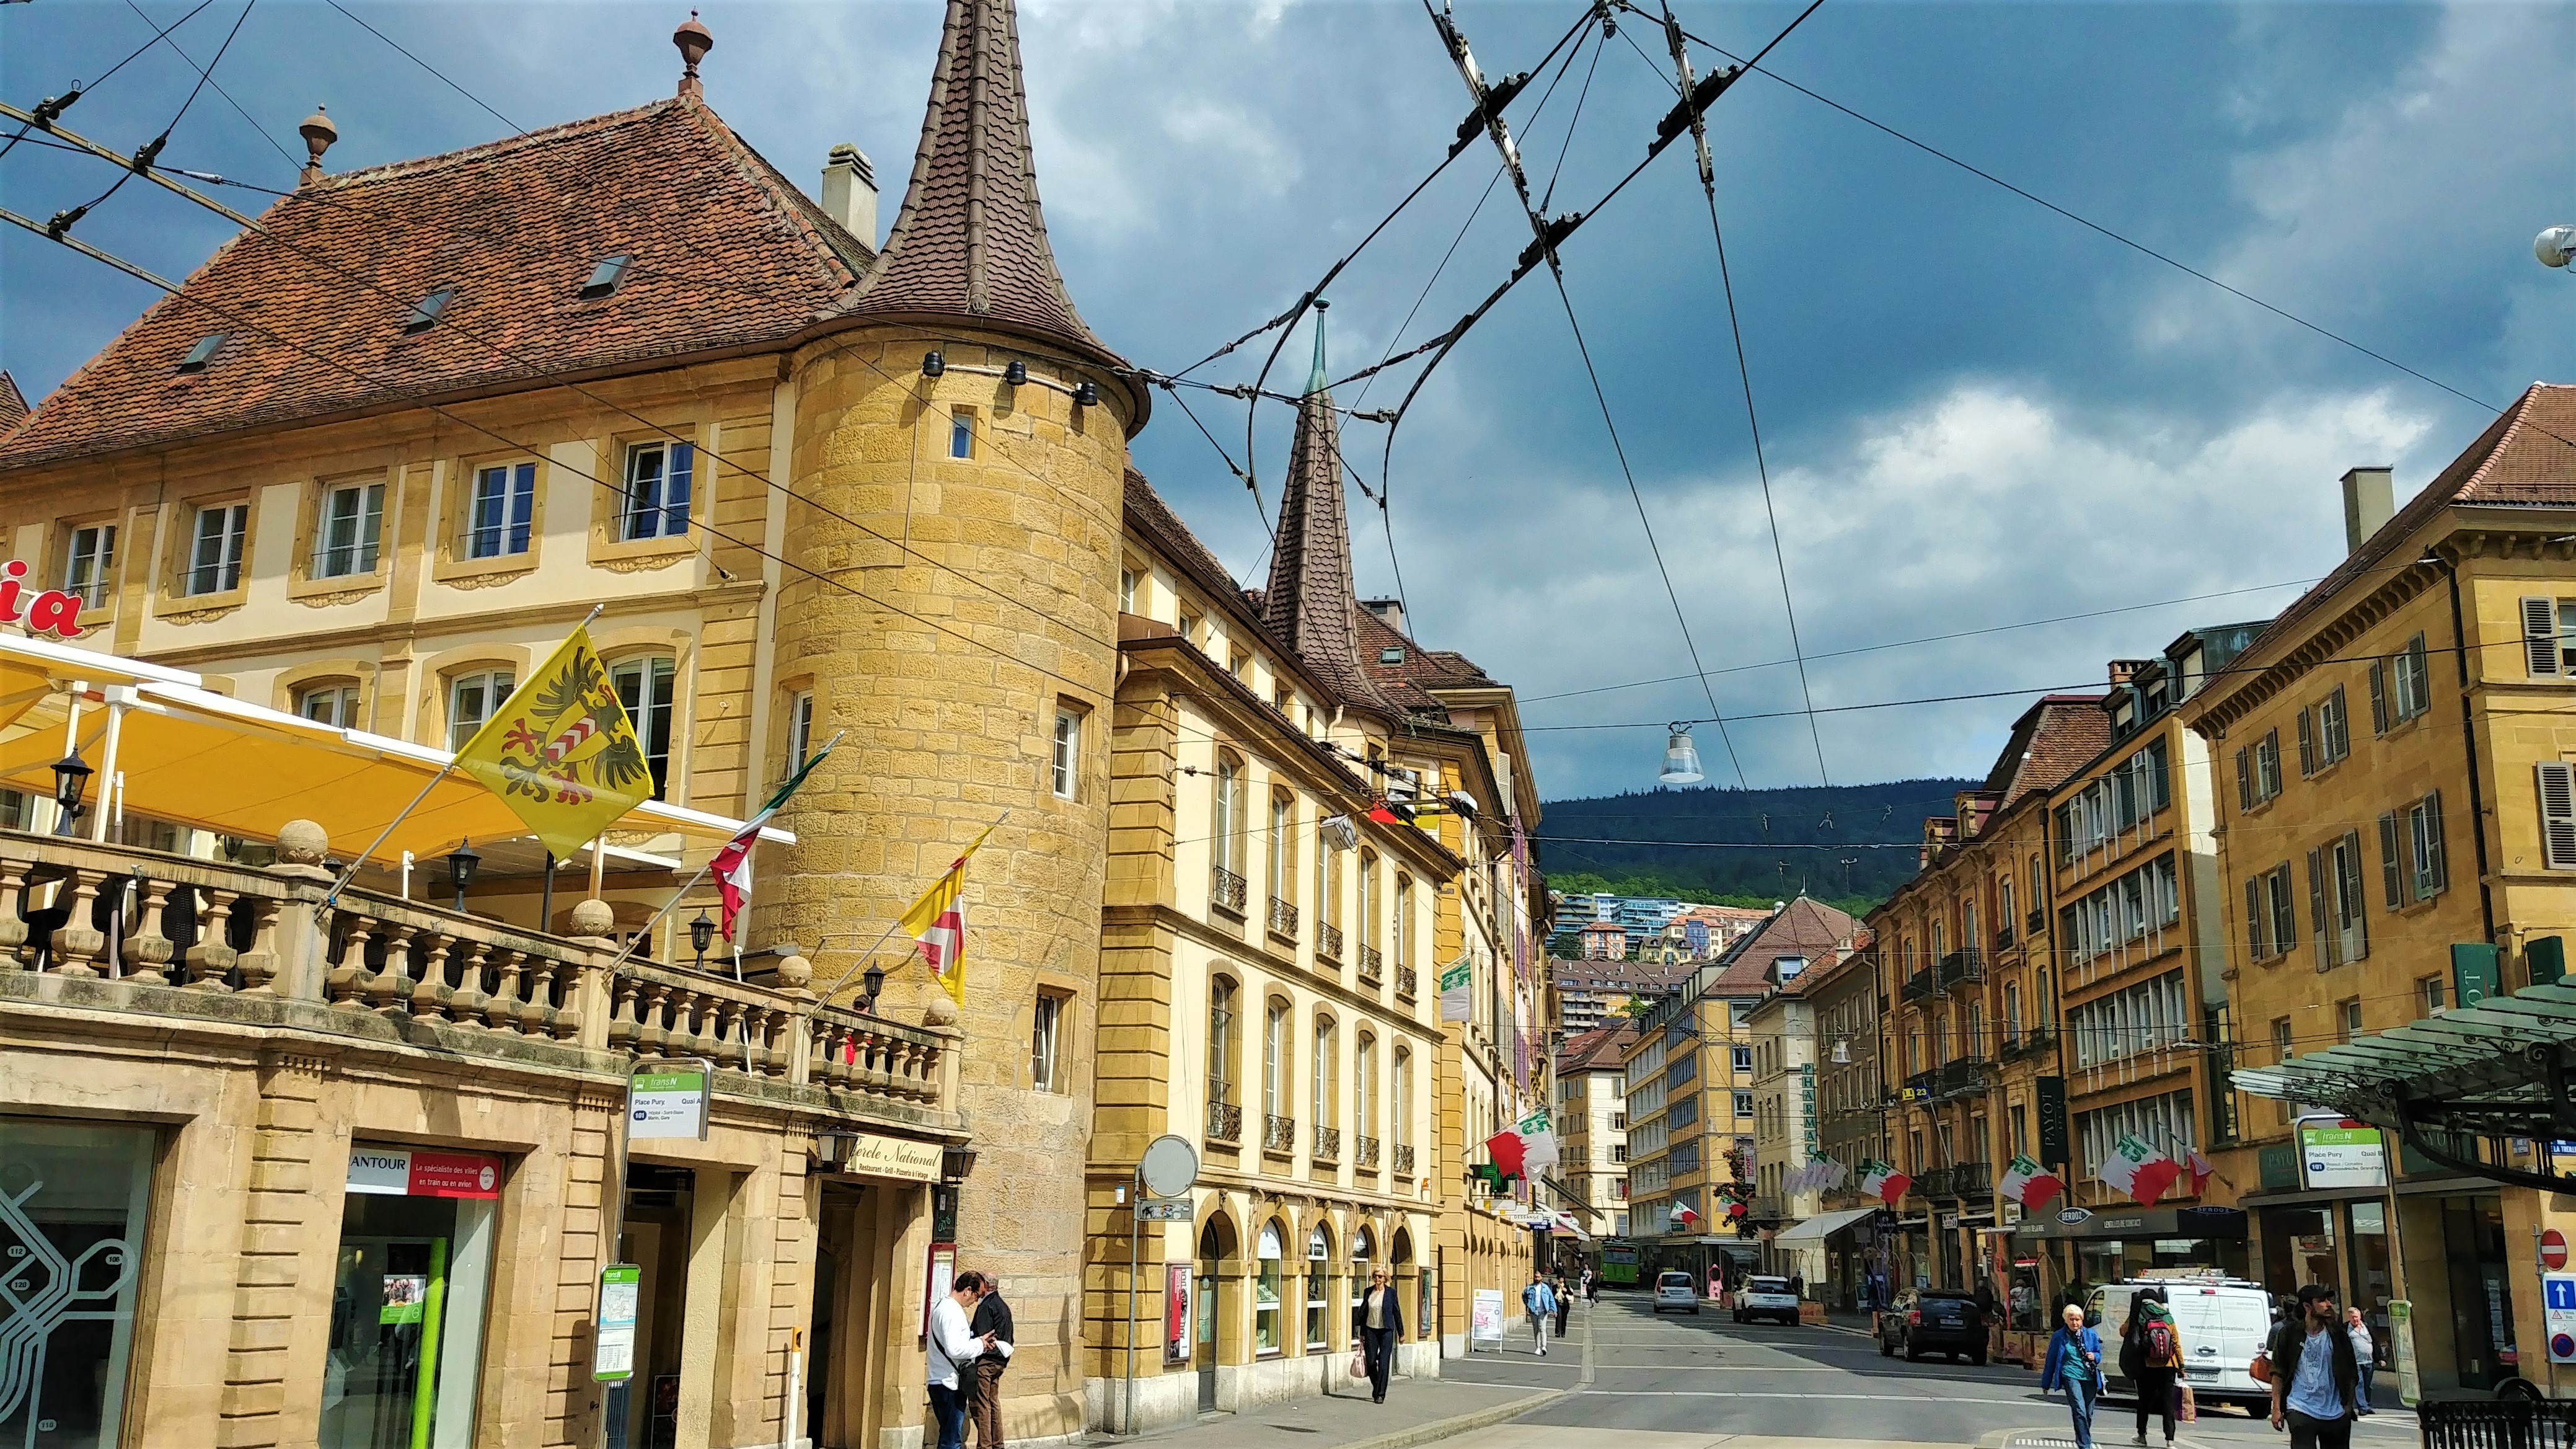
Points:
x=1676 y=1291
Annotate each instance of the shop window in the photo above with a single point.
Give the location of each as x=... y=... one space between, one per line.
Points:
x=644 y=688
x=1265 y=1292
x=72 y=1202
x=657 y=491
x=1319 y=1249
x=471 y=700
x=407 y=1305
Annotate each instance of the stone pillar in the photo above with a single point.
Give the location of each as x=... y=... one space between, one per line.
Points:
x=283 y=1217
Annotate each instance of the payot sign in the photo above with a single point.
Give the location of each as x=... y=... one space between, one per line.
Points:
x=52 y=612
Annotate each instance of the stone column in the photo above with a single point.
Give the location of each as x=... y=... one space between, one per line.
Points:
x=283 y=1215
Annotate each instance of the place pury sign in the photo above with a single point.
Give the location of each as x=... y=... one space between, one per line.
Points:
x=669 y=1101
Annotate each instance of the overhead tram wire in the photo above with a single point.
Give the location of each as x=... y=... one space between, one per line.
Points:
x=1682 y=83
x=515 y=127
x=208 y=71
x=141 y=161
x=246 y=324
x=54 y=106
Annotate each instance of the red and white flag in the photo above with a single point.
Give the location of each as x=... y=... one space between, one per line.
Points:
x=732 y=865
x=2028 y=1183
x=1884 y=1182
x=2200 y=1166
x=2141 y=1171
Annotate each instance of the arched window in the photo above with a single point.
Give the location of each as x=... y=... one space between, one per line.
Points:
x=1319 y=1282
x=2004 y=917
x=471 y=698
x=1364 y=1098
x=1265 y=1290
x=645 y=685
x=1401 y=1128
x=1283 y=857
x=1368 y=902
x=1404 y=920
x=1220 y=1059
x=1363 y=1250
x=332 y=702
x=1274 y=1064
x=1226 y=822
x=1326 y=1098
x=1328 y=886
x=1969 y=940
x=1939 y=943
x=2012 y=1013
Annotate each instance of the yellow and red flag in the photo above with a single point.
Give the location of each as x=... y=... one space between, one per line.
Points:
x=937 y=922
x=559 y=751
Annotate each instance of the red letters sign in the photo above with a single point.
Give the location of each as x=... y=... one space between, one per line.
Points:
x=52 y=613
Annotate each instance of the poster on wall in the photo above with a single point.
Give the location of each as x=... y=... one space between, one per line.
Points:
x=1176 y=1313
x=942 y=1277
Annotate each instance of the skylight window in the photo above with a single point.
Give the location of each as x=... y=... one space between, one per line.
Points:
x=423 y=315
x=204 y=352
x=605 y=277
x=1391 y=654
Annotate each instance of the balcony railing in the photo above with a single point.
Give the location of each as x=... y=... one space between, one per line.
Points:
x=1224 y=1122
x=1765 y=1209
x=1278 y=1134
x=1328 y=1144
x=1937 y=1184
x=1962 y=968
x=1965 y=1077
x=2031 y=1042
x=1404 y=1159
x=1973 y=1179
x=1283 y=918
x=2004 y=936
x=1921 y=1086
x=1920 y=986
x=1365 y=1152
x=2035 y=922
x=1328 y=942
x=237 y=947
x=1226 y=890
x=1407 y=982
x=1372 y=966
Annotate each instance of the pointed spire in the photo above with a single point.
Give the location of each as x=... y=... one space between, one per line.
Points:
x=970 y=243
x=1316 y=380
x=1310 y=601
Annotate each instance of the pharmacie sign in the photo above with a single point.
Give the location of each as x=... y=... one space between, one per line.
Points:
x=50 y=612
x=422 y=1172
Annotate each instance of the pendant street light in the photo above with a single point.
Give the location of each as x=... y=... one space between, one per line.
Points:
x=1681 y=759
x=71 y=777
x=702 y=934
x=462 y=862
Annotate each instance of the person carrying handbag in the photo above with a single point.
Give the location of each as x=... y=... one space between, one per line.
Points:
x=2074 y=1364
x=1381 y=1328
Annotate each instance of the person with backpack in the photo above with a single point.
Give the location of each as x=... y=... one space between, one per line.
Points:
x=2151 y=1358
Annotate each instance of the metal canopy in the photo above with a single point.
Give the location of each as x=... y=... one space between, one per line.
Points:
x=2503 y=1068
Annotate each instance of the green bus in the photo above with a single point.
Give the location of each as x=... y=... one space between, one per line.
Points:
x=1619 y=1262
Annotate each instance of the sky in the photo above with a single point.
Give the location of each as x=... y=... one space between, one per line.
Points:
x=1975 y=412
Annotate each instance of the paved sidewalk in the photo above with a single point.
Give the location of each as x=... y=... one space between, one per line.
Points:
x=1416 y=1411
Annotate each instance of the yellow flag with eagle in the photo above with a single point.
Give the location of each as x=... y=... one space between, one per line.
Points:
x=559 y=751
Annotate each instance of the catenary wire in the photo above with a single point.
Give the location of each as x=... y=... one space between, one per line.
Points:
x=142 y=158
x=515 y=127
x=208 y=72
x=78 y=90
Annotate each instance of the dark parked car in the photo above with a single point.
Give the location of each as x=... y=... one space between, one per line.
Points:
x=1934 y=1320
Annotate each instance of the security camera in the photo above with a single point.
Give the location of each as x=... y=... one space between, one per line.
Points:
x=2555 y=246
x=1463 y=803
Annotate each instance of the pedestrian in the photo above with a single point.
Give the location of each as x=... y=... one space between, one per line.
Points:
x=1591 y=1286
x=2151 y=1358
x=1798 y=1286
x=2365 y=1358
x=1541 y=1304
x=992 y=1320
x=954 y=1344
x=1381 y=1328
x=2075 y=1365
x=2314 y=1377
x=1564 y=1304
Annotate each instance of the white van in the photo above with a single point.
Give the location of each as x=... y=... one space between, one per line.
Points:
x=2224 y=1323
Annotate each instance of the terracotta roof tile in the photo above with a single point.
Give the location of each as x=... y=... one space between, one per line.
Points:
x=514 y=227
x=1597 y=1050
x=970 y=240
x=13 y=403
x=2052 y=740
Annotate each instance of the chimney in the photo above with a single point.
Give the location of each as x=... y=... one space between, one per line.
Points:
x=2369 y=499
x=850 y=192
x=1389 y=610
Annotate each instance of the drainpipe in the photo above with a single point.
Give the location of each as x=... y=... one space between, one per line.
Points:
x=2469 y=744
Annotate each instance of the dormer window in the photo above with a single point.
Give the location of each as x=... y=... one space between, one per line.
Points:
x=1391 y=654
x=204 y=352
x=425 y=313
x=605 y=277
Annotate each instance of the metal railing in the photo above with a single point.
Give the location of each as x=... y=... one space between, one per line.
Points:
x=1283 y=918
x=1224 y=1122
x=1962 y=968
x=2035 y=922
x=1921 y=986
x=1226 y=890
x=1328 y=942
x=1278 y=1134
x=2497 y=1423
x=1407 y=982
x=1936 y=1184
x=1365 y=1151
x=1973 y=1179
x=1404 y=1159
x=1372 y=965
x=1964 y=1077
x=2004 y=936
x=1328 y=1143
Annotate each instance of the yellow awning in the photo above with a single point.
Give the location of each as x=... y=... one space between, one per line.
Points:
x=195 y=757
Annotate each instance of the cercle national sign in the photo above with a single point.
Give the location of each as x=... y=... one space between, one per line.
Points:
x=52 y=613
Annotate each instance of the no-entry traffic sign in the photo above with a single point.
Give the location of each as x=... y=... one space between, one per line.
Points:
x=2553 y=1250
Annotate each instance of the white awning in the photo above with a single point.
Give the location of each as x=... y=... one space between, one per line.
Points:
x=1820 y=1227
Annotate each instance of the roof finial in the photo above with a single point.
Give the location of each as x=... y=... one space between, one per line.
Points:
x=318 y=134
x=694 y=42
x=1316 y=380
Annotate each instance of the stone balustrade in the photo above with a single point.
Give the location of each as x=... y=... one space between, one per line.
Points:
x=116 y=928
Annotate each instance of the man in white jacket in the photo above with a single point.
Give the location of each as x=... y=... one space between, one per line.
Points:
x=954 y=1345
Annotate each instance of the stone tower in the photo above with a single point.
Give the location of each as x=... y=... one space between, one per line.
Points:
x=953 y=587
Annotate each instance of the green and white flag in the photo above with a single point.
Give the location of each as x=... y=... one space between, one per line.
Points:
x=1457 y=991
x=1538 y=1141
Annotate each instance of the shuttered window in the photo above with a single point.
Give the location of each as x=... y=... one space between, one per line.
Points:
x=2432 y=873
x=2378 y=698
x=2540 y=644
x=2244 y=781
x=2334 y=728
x=2412 y=693
x=2307 y=744
x=2557 y=814
x=2320 y=940
x=2394 y=877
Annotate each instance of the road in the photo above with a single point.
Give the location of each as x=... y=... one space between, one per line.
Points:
x=1636 y=1381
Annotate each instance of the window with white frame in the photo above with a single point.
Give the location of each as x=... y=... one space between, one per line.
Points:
x=215 y=553
x=1399 y=1127
x=1274 y=1060
x=347 y=532
x=2549 y=637
x=658 y=482
x=1326 y=1098
x=2412 y=866
x=1046 y=1034
x=1065 y=768
x=2339 y=931
x=89 y=562
x=2325 y=734
x=2142 y=1018
x=2138 y=907
x=2557 y=791
x=500 y=508
x=334 y=704
x=644 y=686
x=2163 y=1122
x=800 y=731
x=2258 y=771
x=2271 y=921
x=2401 y=686
x=471 y=699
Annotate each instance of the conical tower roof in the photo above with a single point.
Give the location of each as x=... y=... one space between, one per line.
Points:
x=1309 y=604
x=970 y=242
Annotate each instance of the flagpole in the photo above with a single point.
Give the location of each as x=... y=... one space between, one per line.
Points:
x=863 y=957
x=667 y=907
x=448 y=769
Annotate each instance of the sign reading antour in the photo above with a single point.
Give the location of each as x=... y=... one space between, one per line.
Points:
x=2341 y=1154
x=668 y=1103
x=422 y=1172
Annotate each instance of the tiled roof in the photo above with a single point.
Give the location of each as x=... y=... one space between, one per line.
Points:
x=514 y=227
x=2523 y=460
x=2052 y=740
x=1597 y=1050
x=970 y=241
x=1309 y=604
x=13 y=403
x=1804 y=927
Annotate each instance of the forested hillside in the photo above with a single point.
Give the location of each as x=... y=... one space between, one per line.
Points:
x=1849 y=844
